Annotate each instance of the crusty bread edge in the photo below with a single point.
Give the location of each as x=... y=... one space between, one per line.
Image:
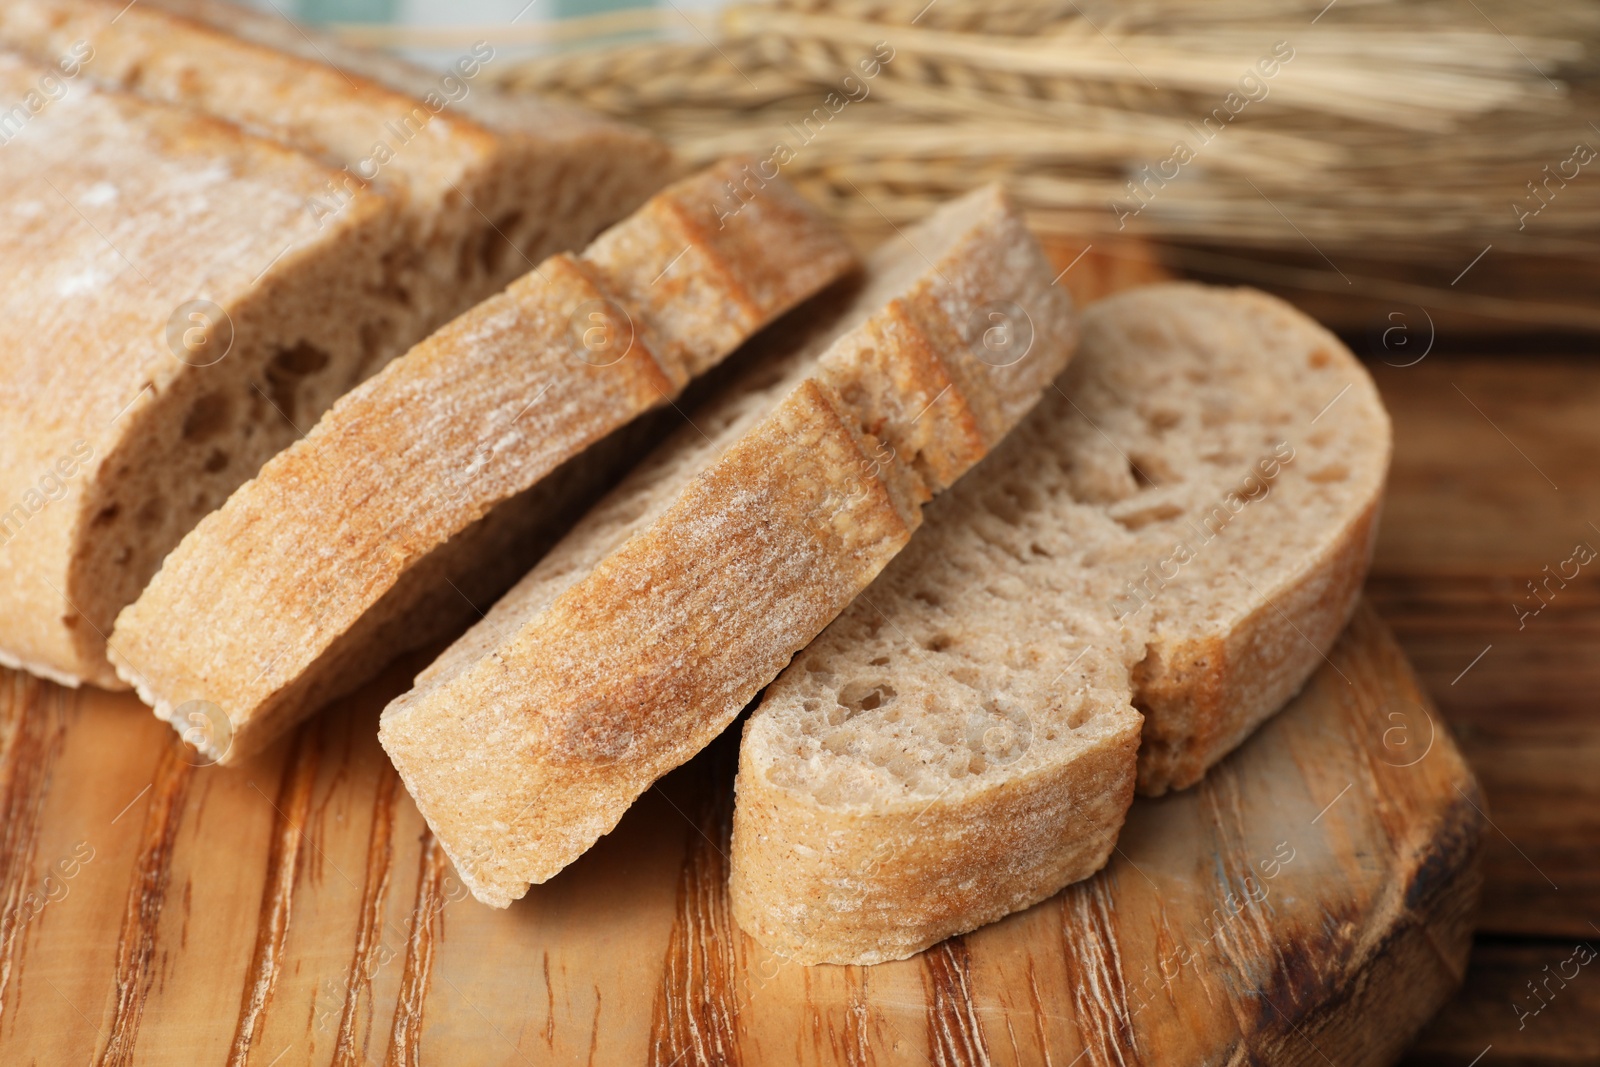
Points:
x=42 y=670
x=1217 y=692
x=907 y=845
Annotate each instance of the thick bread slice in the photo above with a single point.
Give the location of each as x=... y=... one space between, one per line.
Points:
x=669 y=606
x=478 y=201
x=488 y=187
x=118 y=213
x=1177 y=530
x=309 y=577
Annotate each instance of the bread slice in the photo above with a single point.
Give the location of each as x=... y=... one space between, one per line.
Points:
x=669 y=606
x=475 y=204
x=488 y=187
x=310 y=577
x=115 y=435
x=1168 y=541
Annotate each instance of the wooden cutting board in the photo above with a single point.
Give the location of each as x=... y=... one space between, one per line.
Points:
x=1309 y=902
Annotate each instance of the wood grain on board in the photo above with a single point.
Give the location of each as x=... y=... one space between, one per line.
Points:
x=1312 y=898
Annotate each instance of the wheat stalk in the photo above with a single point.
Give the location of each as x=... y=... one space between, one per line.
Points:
x=1406 y=124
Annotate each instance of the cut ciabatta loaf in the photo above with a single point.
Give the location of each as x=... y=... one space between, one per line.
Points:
x=475 y=203
x=1177 y=530
x=117 y=433
x=311 y=576
x=488 y=185
x=669 y=606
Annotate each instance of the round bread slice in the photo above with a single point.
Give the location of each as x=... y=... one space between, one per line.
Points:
x=1164 y=548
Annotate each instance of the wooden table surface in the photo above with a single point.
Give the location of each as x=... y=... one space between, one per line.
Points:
x=1496 y=479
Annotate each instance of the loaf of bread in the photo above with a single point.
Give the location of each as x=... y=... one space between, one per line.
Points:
x=166 y=299
x=643 y=633
x=488 y=186
x=469 y=203
x=1151 y=564
x=379 y=530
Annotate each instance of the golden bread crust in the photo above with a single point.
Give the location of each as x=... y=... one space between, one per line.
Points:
x=478 y=413
x=642 y=635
